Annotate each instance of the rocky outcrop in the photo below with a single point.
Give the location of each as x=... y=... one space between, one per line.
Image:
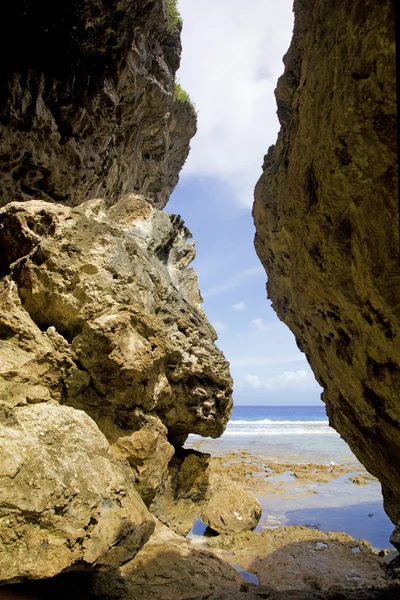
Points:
x=326 y=214
x=107 y=361
x=99 y=312
x=195 y=488
x=63 y=500
x=87 y=104
x=180 y=501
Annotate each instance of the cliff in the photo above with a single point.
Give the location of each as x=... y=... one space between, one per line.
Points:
x=327 y=221
x=107 y=361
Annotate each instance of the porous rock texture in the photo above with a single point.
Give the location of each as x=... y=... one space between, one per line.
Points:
x=63 y=499
x=193 y=489
x=87 y=101
x=107 y=361
x=326 y=215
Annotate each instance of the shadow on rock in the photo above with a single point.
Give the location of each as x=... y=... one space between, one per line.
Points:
x=175 y=570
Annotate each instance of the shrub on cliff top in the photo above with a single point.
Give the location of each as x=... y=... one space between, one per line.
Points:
x=173 y=14
x=181 y=95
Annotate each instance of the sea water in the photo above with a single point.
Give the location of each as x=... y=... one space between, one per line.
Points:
x=283 y=434
x=301 y=434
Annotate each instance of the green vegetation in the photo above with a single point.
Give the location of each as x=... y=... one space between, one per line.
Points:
x=181 y=95
x=174 y=16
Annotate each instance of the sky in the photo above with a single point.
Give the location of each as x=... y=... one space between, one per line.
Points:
x=232 y=58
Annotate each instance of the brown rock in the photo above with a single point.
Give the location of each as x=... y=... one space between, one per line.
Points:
x=179 y=503
x=148 y=452
x=64 y=502
x=230 y=509
x=87 y=101
x=326 y=214
x=105 y=314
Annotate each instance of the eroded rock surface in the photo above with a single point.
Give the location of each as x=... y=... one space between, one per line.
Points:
x=326 y=214
x=99 y=310
x=87 y=101
x=64 y=501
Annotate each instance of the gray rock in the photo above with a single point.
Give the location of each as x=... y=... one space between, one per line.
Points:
x=87 y=102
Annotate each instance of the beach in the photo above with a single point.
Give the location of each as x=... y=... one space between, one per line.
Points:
x=301 y=472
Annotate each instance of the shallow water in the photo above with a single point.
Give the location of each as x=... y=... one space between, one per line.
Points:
x=274 y=434
x=293 y=448
x=337 y=506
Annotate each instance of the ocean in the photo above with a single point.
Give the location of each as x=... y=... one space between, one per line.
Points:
x=301 y=435
x=282 y=434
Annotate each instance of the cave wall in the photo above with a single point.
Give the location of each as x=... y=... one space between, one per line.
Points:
x=327 y=221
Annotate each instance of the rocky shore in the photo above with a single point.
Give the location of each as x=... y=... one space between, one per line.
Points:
x=273 y=561
x=107 y=360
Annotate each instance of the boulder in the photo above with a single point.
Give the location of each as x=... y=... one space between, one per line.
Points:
x=64 y=502
x=230 y=509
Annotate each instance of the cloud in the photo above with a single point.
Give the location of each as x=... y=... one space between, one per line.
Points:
x=258 y=324
x=288 y=379
x=232 y=58
x=220 y=327
x=239 y=306
x=233 y=282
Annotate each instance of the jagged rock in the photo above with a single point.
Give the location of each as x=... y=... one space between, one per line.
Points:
x=180 y=501
x=230 y=508
x=64 y=501
x=148 y=453
x=98 y=310
x=395 y=537
x=87 y=103
x=193 y=489
x=114 y=314
x=326 y=214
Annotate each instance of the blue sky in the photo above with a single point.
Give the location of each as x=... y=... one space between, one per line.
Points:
x=232 y=58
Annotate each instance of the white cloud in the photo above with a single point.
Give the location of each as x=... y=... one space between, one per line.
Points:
x=288 y=379
x=220 y=327
x=232 y=58
x=239 y=306
x=253 y=380
x=234 y=282
x=258 y=324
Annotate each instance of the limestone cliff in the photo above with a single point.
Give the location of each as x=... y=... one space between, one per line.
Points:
x=107 y=361
x=326 y=215
x=86 y=101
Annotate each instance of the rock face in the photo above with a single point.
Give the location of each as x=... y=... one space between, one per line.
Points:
x=107 y=361
x=194 y=489
x=116 y=318
x=326 y=214
x=63 y=500
x=87 y=101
